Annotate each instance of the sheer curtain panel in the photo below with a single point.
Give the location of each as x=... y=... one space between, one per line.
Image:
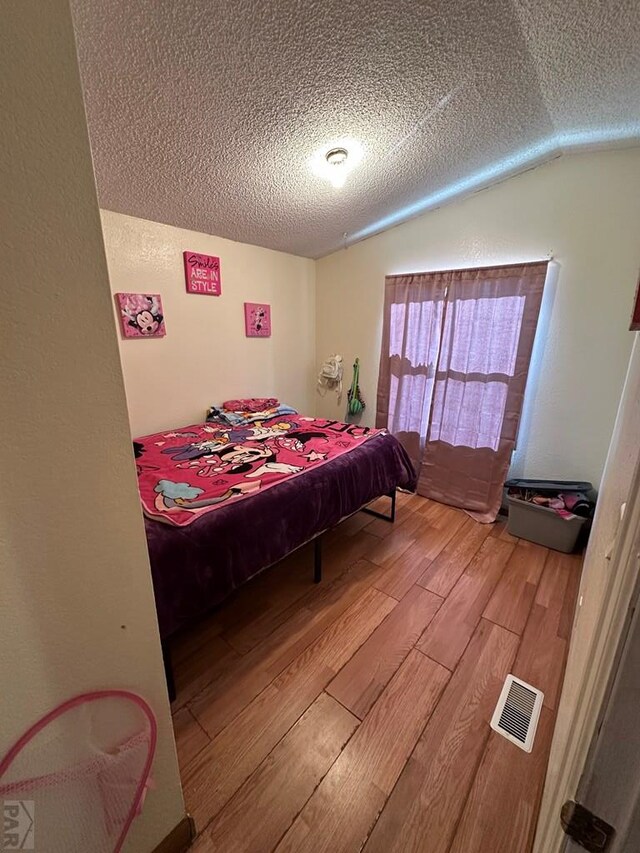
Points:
x=411 y=333
x=455 y=357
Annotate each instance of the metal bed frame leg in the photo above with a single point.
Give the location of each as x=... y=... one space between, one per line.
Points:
x=392 y=515
x=317 y=542
x=168 y=670
x=393 y=507
x=317 y=559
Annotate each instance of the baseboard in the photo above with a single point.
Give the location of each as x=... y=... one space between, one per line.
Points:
x=180 y=838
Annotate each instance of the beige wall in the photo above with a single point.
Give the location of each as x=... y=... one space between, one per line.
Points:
x=585 y=209
x=76 y=607
x=205 y=357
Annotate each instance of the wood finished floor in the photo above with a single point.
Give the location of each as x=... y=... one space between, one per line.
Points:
x=355 y=714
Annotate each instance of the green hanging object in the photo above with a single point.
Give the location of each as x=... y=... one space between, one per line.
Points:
x=356 y=403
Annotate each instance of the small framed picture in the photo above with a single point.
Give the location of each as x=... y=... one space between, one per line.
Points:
x=257 y=320
x=141 y=315
x=635 y=316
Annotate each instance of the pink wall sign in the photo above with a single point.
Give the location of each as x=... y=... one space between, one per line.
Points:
x=202 y=274
x=257 y=320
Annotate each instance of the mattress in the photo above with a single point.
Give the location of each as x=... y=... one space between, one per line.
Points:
x=197 y=566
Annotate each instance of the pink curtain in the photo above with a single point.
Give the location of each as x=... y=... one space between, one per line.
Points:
x=478 y=332
x=412 y=328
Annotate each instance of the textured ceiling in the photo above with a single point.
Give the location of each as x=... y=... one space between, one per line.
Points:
x=205 y=114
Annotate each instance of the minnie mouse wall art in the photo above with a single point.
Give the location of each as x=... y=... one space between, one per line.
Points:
x=257 y=320
x=141 y=315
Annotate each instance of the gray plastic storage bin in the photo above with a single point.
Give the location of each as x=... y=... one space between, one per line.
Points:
x=543 y=525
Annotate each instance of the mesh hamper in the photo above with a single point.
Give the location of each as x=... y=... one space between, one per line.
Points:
x=82 y=772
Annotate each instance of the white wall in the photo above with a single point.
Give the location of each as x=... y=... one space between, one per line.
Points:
x=76 y=607
x=609 y=575
x=205 y=357
x=583 y=208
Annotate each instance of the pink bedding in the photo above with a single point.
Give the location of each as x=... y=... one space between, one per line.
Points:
x=186 y=473
x=252 y=404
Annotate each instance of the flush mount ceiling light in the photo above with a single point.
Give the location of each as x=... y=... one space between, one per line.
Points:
x=336 y=161
x=336 y=156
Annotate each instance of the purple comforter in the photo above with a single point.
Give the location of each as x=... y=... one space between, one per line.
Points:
x=198 y=566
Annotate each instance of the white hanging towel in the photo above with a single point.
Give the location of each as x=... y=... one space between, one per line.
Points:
x=330 y=376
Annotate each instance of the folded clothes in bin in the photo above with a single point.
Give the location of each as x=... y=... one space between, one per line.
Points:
x=565 y=505
x=567 y=498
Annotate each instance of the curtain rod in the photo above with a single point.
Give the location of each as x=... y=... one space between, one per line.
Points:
x=468 y=269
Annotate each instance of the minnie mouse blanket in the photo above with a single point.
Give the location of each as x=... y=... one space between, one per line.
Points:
x=186 y=473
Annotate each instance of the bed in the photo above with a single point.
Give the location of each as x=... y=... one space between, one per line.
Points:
x=210 y=529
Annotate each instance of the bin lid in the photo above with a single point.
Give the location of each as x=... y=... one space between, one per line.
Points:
x=550 y=485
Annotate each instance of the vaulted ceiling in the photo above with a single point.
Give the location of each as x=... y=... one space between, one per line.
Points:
x=206 y=115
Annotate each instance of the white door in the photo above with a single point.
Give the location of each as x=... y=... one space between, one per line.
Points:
x=610 y=785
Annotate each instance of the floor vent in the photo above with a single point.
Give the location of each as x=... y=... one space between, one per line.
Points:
x=517 y=712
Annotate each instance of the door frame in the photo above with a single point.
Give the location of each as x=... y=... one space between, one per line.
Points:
x=579 y=713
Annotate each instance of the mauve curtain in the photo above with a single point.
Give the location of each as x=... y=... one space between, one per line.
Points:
x=478 y=329
x=489 y=328
x=411 y=331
